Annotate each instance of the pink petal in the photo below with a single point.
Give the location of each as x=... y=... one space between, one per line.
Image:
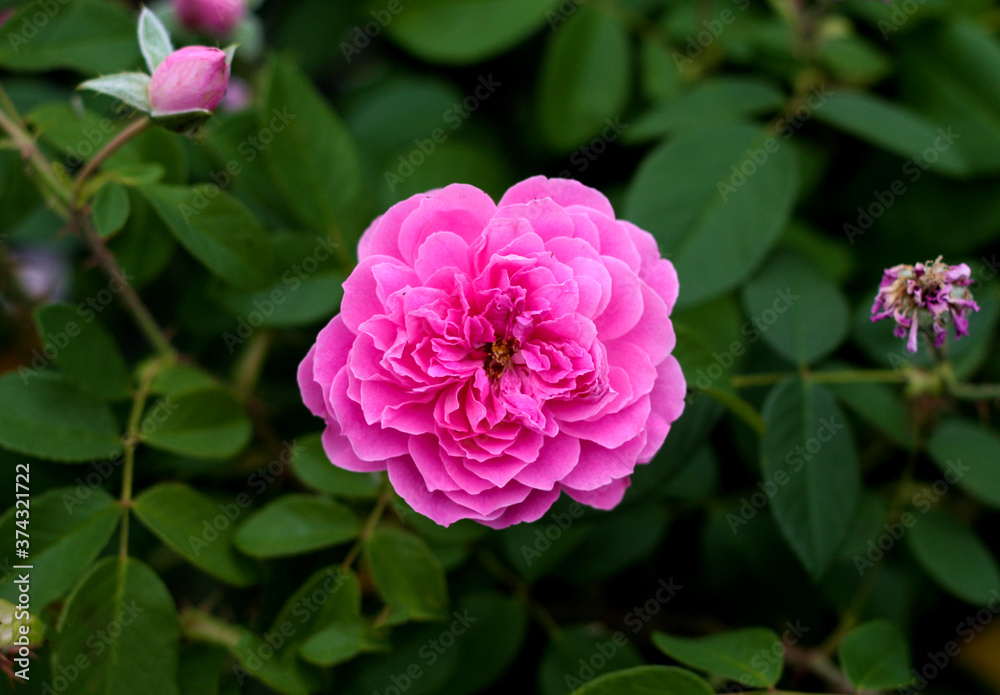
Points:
x=557 y=458
x=565 y=192
x=312 y=394
x=459 y=208
x=607 y=497
x=666 y=405
x=625 y=308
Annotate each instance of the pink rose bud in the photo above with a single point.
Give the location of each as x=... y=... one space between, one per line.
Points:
x=190 y=79
x=6 y=14
x=216 y=17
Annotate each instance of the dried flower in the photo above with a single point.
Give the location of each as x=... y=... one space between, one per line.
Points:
x=928 y=295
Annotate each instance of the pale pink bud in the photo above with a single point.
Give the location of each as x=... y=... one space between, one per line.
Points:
x=190 y=79
x=216 y=17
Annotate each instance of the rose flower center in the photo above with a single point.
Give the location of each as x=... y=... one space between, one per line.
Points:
x=498 y=354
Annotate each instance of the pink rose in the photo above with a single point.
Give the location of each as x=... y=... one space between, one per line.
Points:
x=190 y=79
x=492 y=356
x=215 y=17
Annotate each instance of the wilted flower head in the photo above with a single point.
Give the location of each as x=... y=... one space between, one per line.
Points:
x=215 y=17
x=492 y=356
x=190 y=79
x=931 y=295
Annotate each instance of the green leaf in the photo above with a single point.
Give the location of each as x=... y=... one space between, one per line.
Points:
x=490 y=629
x=312 y=160
x=129 y=87
x=950 y=74
x=879 y=405
x=875 y=656
x=717 y=100
x=154 y=41
x=585 y=79
x=466 y=31
x=646 y=680
x=158 y=146
x=110 y=209
x=853 y=59
x=798 y=310
x=891 y=127
x=967 y=454
x=200 y=668
x=810 y=463
x=77 y=133
x=121 y=618
x=334 y=644
x=322 y=620
x=90 y=36
x=208 y=423
x=407 y=575
x=218 y=230
x=84 y=351
x=712 y=220
x=312 y=466
x=69 y=528
x=623 y=539
x=739 y=655
x=301 y=296
x=955 y=558
x=296 y=524
x=48 y=417
x=179 y=379
x=284 y=673
x=576 y=654
x=197 y=528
